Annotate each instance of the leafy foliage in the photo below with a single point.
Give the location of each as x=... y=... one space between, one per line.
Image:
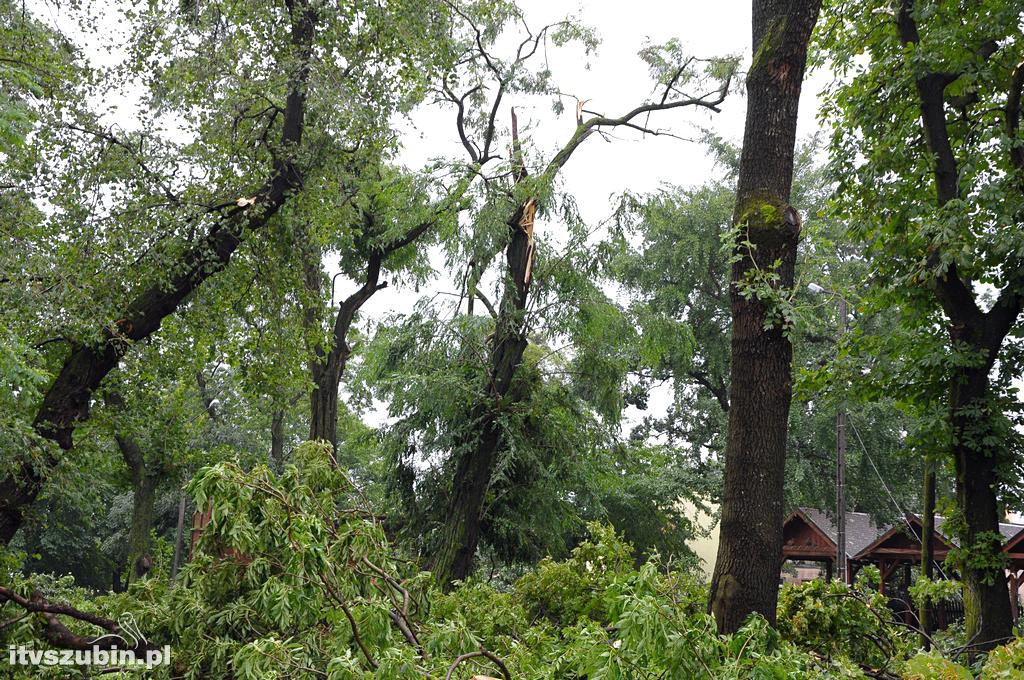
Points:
x=252 y=605
x=840 y=621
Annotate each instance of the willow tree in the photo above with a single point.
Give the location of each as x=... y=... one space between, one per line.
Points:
x=767 y=230
x=670 y=261
x=505 y=242
x=239 y=103
x=928 y=153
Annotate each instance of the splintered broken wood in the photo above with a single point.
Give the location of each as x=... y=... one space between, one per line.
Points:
x=526 y=223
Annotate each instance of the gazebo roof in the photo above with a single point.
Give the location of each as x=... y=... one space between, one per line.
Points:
x=1009 y=530
x=1014 y=548
x=808 y=532
x=811 y=534
x=860 y=528
x=903 y=540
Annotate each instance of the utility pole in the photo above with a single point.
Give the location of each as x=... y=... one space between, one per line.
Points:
x=844 y=325
x=841 y=468
x=178 y=541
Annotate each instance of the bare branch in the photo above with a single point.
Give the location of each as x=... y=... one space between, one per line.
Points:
x=709 y=101
x=472 y=655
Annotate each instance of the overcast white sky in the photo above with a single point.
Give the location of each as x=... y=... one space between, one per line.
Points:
x=617 y=80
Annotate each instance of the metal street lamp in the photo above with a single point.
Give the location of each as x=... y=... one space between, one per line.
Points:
x=840 y=446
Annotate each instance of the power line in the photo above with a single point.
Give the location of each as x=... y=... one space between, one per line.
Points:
x=892 y=498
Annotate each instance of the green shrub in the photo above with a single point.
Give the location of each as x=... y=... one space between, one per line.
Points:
x=839 y=621
x=933 y=666
x=1005 y=662
x=290 y=570
x=563 y=592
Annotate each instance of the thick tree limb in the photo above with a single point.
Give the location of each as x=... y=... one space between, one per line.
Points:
x=60 y=635
x=67 y=400
x=719 y=391
x=473 y=655
x=953 y=291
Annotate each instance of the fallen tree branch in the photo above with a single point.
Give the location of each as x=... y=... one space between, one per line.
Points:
x=472 y=655
x=59 y=635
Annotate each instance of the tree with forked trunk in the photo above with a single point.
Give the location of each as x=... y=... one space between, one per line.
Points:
x=935 y=112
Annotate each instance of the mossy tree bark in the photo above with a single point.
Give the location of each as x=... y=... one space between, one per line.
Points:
x=987 y=616
x=749 y=558
x=144 y=483
x=927 y=548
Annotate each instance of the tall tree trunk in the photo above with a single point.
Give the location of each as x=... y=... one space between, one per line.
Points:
x=987 y=615
x=328 y=365
x=749 y=558
x=323 y=400
x=66 y=402
x=460 y=535
x=277 y=440
x=137 y=550
x=927 y=547
x=989 y=620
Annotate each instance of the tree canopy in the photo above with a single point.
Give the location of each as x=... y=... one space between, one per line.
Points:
x=298 y=392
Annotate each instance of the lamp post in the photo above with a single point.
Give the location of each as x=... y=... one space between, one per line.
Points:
x=840 y=447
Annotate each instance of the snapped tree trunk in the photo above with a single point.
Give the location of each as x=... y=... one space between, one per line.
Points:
x=749 y=558
x=460 y=535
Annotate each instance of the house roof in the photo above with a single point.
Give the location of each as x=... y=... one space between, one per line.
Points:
x=861 y=530
x=863 y=535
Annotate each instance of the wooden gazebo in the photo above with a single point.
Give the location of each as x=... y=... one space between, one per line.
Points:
x=1014 y=549
x=809 y=535
x=900 y=546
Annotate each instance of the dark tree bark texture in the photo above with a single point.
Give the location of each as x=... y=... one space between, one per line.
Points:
x=749 y=558
x=461 y=533
x=328 y=364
